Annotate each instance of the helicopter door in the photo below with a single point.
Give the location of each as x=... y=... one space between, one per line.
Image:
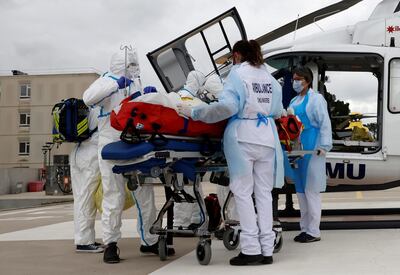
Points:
x=391 y=122
x=207 y=48
x=352 y=84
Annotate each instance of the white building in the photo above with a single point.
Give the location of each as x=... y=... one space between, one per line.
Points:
x=26 y=102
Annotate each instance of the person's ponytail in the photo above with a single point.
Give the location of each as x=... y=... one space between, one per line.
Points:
x=257 y=55
x=250 y=52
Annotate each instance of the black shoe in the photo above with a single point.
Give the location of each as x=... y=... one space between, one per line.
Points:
x=309 y=239
x=243 y=259
x=111 y=254
x=99 y=244
x=154 y=249
x=89 y=248
x=267 y=260
x=300 y=237
x=194 y=226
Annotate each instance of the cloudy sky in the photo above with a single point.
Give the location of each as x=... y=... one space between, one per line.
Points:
x=53 y=35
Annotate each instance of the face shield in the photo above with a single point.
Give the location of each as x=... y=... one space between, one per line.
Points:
x=125 y=64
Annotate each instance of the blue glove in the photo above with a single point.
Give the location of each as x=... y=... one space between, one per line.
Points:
x=123 y=82
x=149 y=89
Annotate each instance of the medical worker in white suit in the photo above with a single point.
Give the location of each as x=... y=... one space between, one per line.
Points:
x=85 y=174
x=251 y=98
x=107 y=92
x=310 y=176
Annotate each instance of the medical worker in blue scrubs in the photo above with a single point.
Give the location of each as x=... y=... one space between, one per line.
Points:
x=251 y=98
x=310 y=176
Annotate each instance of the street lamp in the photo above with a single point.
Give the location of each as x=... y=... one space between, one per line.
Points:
x=45 y=148
x=50 y=146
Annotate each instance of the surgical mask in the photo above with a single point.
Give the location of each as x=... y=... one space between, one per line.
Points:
x=297 y=86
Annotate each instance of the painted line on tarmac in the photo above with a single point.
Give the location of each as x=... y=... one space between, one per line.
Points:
x=13 y=212
x=29 y=218
x=64 y=231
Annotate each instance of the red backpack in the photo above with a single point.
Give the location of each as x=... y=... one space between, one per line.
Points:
x=289 y=129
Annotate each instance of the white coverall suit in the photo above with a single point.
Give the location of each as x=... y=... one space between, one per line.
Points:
x=251 y=97
x=105 y=93
x=85 y=175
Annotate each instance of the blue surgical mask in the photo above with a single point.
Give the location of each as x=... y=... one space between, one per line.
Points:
x=297 y=86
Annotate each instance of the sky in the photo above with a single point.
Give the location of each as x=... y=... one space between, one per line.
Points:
x=68 y=35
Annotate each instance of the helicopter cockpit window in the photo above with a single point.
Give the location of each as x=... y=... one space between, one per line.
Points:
x=351 y=84
x=394 y=89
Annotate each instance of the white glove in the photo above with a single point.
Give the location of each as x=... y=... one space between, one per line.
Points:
x=284 y=113
x=290 y=111
x=321 y=152
x=184 y=110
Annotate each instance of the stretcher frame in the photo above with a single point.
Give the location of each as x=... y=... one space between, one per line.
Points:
x=214 y=163
x=175 y=181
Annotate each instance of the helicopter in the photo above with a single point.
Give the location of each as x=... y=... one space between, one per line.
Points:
x=356 y=68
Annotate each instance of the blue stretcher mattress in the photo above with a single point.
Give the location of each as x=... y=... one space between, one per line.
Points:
x=120 y=150
x=124 y=151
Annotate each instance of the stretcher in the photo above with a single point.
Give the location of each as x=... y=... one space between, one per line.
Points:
x=172 y=159
x=158 y=143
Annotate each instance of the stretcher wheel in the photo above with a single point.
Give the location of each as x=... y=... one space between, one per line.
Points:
x=162 y=248
x=155 y=171
x=278 y=243
x=231 y=241
x=203 y=252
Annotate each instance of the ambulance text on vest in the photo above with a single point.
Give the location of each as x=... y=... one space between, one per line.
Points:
x=264 y=88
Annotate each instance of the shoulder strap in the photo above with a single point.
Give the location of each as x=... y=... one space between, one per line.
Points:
x=93 y=131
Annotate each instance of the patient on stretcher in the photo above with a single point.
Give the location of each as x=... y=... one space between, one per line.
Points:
x=198 y=87
x=157 y=112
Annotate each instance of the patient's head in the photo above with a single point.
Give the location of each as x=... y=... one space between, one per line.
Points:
x=213 y=85
x=198 y=86
x=194 y=81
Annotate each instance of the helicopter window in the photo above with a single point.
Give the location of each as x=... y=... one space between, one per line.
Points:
x=206 y=48
x=350 y=84
x=394 y=86
x=199 y=52
x=210 y=47
x=353 y=104
x=174 y=74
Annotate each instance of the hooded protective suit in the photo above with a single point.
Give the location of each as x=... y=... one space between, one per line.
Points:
x=251 y=97
x=85 y=174
x=194 y=81
x=105 y=93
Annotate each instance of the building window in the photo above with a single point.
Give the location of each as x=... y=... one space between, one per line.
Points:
x=25 y=91
x=24 y=147
x=24 y=119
